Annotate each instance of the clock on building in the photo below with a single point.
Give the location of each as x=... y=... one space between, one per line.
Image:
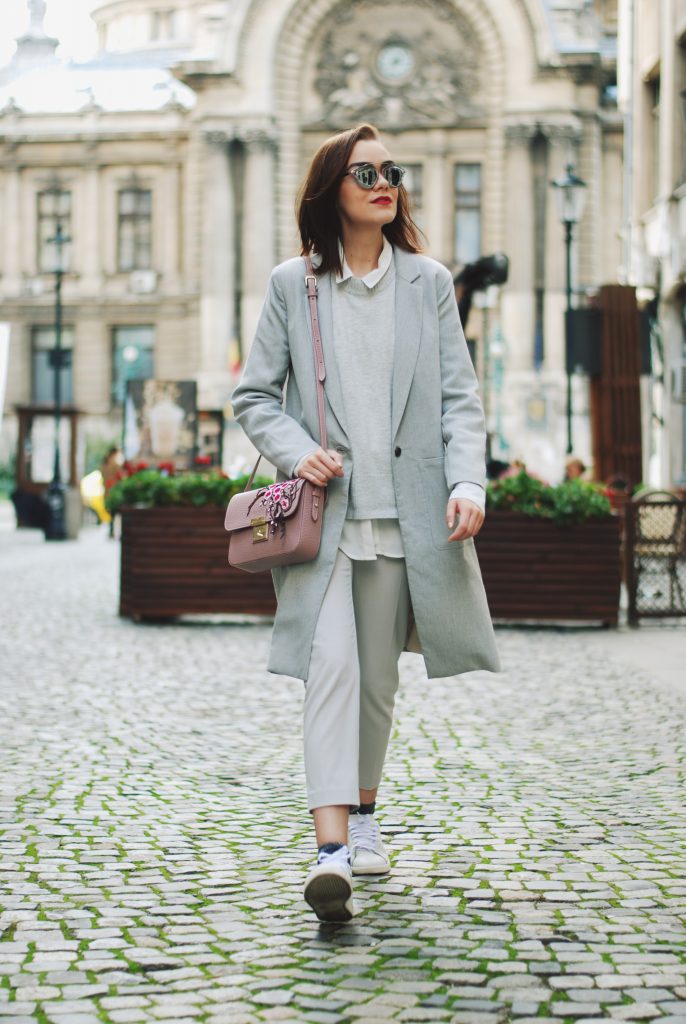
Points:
x=395 y=62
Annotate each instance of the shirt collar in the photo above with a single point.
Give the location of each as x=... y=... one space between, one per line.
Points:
x=375 y=275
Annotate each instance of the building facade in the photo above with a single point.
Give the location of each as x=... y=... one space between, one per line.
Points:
x=652 y=92
x=176 y=153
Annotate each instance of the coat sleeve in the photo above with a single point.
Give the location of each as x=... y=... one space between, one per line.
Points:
x=462 y=417
x=258 y=399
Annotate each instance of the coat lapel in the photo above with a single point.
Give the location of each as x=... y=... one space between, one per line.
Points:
x=408 y=331
x=332 y=384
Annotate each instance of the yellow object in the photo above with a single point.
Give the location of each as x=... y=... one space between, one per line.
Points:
x=93 y=495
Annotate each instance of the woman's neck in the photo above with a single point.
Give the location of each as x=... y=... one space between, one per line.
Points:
x=362 y=250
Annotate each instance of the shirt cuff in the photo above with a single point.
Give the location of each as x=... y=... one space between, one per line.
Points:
x=470 y=491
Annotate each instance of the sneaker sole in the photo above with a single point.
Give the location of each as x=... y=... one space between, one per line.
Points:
x=371 y=871
x=328 y=895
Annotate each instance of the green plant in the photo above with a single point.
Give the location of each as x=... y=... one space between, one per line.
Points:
x=153 y=489
x=573 y=501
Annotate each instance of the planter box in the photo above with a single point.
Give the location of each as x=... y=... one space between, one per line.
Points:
x=174 y=562
x=535 y=570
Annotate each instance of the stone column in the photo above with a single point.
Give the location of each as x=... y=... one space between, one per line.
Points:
x=217 y=275
x=258 y=243
x=12 y=220
x=520 y=241
x=170 y=202
x=91 y=251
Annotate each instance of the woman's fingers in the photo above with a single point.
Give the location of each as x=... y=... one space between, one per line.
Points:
x=321 y=466
x=469 y=518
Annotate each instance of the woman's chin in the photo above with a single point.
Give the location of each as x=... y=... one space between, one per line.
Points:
x=378 y=218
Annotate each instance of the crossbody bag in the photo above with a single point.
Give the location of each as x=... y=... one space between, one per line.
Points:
x=282 y=524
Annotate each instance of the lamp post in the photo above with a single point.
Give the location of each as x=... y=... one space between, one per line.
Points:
x=55 y=494
x=570 y=194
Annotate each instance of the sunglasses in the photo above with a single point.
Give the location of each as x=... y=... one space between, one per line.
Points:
x=366 y=175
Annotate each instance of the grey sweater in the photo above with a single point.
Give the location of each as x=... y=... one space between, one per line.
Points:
x=364 y=328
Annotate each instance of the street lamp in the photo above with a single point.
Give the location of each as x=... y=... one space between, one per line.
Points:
x=59 y=357
x=570 y=192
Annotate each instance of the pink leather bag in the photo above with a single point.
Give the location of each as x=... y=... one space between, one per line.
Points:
x=282 y=524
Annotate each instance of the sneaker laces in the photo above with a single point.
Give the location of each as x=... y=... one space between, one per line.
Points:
x=342 y=855
x=364 y=831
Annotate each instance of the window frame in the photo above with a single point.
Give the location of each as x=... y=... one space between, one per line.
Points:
x=132 y=221
x=67 y=372
x=116 y=331
x=467 y=200
x=46 y=226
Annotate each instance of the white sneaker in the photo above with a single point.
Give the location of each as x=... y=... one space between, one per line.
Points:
x=369 y=856
x=329 y=886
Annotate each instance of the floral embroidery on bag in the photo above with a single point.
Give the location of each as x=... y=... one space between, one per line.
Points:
x=276 y=501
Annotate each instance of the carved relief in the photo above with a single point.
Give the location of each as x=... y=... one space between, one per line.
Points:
x=398 y=66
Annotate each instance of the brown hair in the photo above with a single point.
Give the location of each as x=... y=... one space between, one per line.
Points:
x=316 y=210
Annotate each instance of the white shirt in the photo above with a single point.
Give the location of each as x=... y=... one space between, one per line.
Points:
x=364 y=539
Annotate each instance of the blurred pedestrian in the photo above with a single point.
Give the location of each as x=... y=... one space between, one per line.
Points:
x=574 y=469
x=405 y=476
x=110 y=467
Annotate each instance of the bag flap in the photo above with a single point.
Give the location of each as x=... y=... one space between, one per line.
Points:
x=282 y=498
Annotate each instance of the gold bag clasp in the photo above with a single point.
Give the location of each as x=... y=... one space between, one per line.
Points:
x=260 y=529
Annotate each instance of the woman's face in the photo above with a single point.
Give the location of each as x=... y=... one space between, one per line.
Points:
x=365 y=208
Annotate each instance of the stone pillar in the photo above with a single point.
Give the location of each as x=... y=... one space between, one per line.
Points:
x=12 y=221
x=170 y=256
x=217 y=275
x=589 y=167
x=518 y=295
x=91 y=252
x=670 y=128
x=258 y=242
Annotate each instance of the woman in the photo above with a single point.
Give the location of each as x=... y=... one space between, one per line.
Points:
x=405 y=475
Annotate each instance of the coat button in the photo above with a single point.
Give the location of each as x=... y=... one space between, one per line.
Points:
x=398 y=451
x=341 y=449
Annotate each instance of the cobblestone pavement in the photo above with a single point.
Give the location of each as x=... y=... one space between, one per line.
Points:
x=155 y=837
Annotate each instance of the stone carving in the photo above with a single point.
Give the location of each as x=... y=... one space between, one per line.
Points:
x=427 y=74
x=253 y=138
x=522 y=132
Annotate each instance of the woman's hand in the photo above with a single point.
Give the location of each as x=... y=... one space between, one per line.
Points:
x=321 y=466
x=470 y=517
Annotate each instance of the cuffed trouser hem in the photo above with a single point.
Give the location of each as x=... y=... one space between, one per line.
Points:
x=332 y=797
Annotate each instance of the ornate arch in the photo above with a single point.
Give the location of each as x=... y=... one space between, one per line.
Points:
x=298 y=29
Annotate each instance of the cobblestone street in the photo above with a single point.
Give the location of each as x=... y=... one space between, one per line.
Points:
x=155 y=837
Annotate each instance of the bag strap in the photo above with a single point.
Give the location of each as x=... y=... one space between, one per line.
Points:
x=319 y=367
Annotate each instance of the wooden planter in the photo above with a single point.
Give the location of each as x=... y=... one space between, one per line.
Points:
x=535 y=570
x=174 y=562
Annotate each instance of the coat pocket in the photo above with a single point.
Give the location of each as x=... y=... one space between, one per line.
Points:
x=436 y=494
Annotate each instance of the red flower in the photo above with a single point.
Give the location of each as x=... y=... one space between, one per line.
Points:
x=203 y=460
x=166 y=467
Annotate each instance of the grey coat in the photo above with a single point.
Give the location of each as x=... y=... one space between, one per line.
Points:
x=438 y=440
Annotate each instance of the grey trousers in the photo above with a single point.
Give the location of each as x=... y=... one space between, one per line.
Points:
x=353 y=679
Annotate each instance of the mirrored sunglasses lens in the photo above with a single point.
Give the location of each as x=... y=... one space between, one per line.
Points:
x=394 y=175
x=366 y=176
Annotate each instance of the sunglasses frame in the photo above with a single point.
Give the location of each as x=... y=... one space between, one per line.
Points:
x=354 y=171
